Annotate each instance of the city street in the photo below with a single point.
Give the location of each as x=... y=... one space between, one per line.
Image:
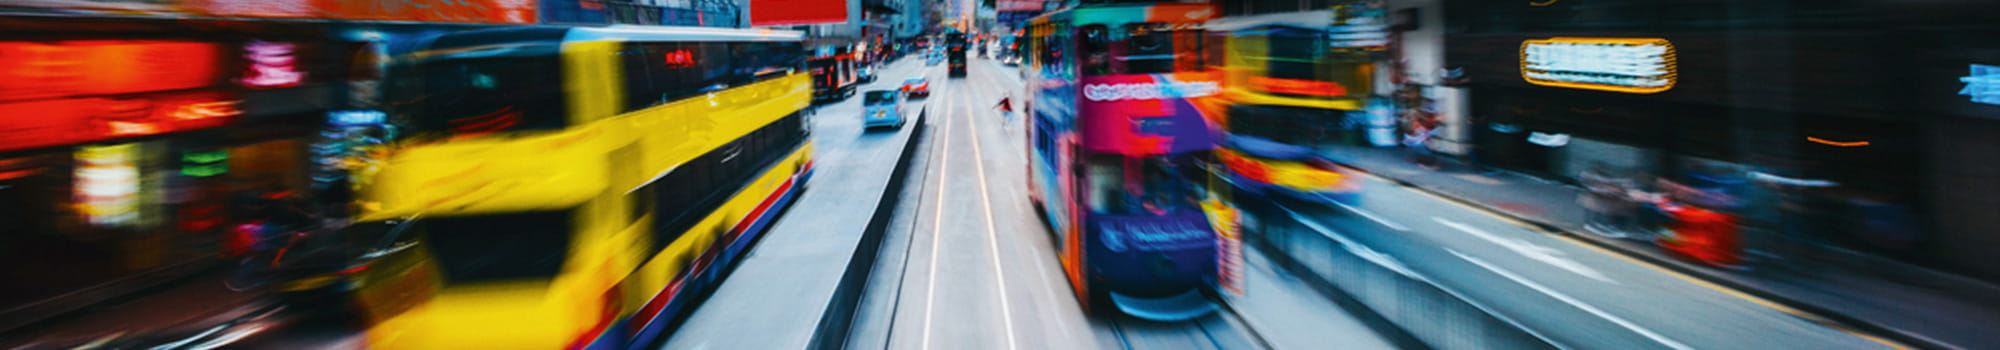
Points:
x=758 y=174
x=1559 y=288
x=968 y=265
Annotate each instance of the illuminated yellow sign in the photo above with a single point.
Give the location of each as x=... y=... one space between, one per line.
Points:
x=1629 y=65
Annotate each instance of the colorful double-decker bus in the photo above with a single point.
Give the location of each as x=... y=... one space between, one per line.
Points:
x=1121 y=141
x=954 y=53
x=1291 y=80
x=835 y=73
x=577 y=187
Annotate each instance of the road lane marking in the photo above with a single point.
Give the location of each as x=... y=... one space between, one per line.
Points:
x=1563 y=235
x=1371 y=216
x=992 y=236
x=1635 y=328
x=1365 y=253
x=1061 y=324
x=1546 y=255
x=937 y=230
x=1802 y=314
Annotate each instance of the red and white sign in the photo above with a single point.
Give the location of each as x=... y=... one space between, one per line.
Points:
x=796 y=12
x=272 y=65
x=1019 y=5
x=460 y=11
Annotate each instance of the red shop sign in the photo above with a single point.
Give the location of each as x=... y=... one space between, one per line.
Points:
x=68 y=121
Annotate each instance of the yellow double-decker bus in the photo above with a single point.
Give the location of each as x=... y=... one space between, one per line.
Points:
x=1290 y=80
x=577 y=187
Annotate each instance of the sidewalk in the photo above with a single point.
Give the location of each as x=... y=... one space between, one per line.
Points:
x=1907 y=303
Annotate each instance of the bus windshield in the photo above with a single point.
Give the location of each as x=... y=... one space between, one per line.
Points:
x=483 y=248
x=481 y=95
x=1141 y=48
x=1158 y=185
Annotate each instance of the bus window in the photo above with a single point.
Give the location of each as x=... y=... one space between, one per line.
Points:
x=1144 y=186
x=1293 y=55
x=486 y=94
x=484 y=248
x=1096 y=47
x=1149 y=48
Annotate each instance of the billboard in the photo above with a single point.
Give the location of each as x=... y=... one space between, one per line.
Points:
x=1640 y=66
x=462 y=11
x=1018 y=5
x=795 y=12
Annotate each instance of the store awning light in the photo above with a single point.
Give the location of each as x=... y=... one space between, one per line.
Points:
x=1640 y=66
x=1837 y=143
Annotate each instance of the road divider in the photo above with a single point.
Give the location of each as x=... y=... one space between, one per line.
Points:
x=1403 y=302
x=836 y=322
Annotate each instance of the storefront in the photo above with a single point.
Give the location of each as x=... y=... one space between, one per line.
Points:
x=122 y=152
x=1749 y=89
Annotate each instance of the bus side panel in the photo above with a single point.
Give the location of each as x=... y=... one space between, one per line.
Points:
x=591 y=75
x=705 y=251
x=677 y=132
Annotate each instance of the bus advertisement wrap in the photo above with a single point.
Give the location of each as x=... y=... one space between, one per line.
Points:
x=1148 y=113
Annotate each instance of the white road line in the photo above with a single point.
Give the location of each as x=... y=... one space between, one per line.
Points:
x=1546 y=255
x=1372 y=217
x=992 y=237
x=937 y=231
x=1635 y=328
x=1041 y=269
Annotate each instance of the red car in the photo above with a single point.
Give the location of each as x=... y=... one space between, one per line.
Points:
x=917 y=87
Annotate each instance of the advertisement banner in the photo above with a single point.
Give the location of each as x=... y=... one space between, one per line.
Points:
x=796 y=12
x=1019 y=5
x=457 y=11
x=1229 y=266
x=1144 y=114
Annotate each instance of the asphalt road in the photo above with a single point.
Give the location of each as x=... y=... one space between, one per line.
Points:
x=1569 y=292
x=774 y=297
x=968 y=265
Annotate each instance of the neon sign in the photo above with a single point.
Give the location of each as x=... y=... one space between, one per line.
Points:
x=1299 y=86
x=1983 y=84
x=679 y=59
x=272 y=65
x=107 y=184
x=1640 y=66
x=205 y=110
x=356 y=118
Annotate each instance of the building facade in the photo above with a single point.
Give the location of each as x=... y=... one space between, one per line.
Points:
x=1881 y=99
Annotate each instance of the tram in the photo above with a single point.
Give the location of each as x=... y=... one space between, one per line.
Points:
x=954 y=54
x=1122 y=141
x=578 y=188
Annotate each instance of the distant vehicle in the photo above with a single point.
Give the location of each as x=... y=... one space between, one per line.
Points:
x=915 y=87
x=868 y=73
x=955 y=53
x=882 y=108
x=935 y=59
x=834 y=77
x=1120 y=152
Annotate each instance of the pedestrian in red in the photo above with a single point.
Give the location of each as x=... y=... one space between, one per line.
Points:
x=1006 y=107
